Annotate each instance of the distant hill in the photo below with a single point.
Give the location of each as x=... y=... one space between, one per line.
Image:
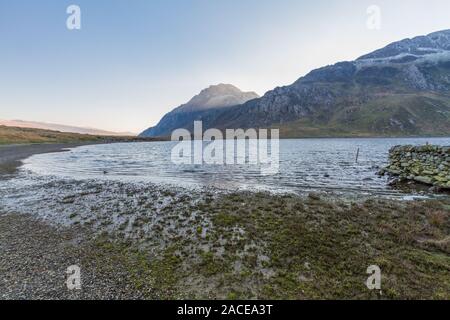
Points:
x=61 y=128
x=16 y=135
x=400 y=90
x=207 y=102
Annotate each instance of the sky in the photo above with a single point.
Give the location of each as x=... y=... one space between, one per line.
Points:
x=132 y=61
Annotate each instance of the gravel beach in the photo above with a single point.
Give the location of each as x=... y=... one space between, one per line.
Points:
x=34 y=256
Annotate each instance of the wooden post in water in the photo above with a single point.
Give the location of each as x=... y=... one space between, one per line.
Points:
x=357 y=155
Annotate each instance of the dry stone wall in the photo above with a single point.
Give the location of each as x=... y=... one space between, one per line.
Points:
x=427 y=164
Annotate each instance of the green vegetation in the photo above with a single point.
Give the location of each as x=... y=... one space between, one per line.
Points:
x=288 y=247
x=398 y=114
x=14 y=135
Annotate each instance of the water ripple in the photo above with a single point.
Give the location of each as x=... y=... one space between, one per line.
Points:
x=309 y=164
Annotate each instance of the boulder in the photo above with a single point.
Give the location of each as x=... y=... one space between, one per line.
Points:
x=424 y=180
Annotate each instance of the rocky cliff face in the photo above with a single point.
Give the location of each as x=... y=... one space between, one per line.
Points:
x=402 y=89
x=207 y=103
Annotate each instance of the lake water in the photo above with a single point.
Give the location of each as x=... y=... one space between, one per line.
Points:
x=305 y=165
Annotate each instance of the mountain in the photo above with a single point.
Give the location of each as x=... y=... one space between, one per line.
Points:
x=61 y=128
x=208 y=103
x=402 y=89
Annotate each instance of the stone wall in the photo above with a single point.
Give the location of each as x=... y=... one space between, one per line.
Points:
x=424 y=164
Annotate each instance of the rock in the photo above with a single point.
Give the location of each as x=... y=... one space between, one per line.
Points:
x=435 y=189
x=314 y=196
x=440 y=179
x=404 y=164
x=394 y=172
x=422 y=179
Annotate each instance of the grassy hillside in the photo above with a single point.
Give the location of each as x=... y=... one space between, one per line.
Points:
x=14 y=135
x=387 y=115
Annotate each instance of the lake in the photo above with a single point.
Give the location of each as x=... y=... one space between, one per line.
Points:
x=304 y=165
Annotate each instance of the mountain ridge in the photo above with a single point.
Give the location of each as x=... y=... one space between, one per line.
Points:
x=208 y=101
x=401 y=89
x=61 y=128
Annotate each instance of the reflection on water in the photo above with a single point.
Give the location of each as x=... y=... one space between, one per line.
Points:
x=310 y=164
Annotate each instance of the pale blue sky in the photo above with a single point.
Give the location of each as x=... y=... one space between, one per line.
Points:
x=134 y=60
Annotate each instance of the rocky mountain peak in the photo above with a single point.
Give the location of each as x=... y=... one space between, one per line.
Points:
x=209 y=101
x=217 y=96
x=434 y=43
x=401 y=89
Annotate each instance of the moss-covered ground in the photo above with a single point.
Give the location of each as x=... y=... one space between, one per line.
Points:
x=261 y=246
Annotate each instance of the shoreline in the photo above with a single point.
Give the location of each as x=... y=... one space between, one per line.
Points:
x=231 y=246
x=197 y=244
x=168 y=243
x=12 y=155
